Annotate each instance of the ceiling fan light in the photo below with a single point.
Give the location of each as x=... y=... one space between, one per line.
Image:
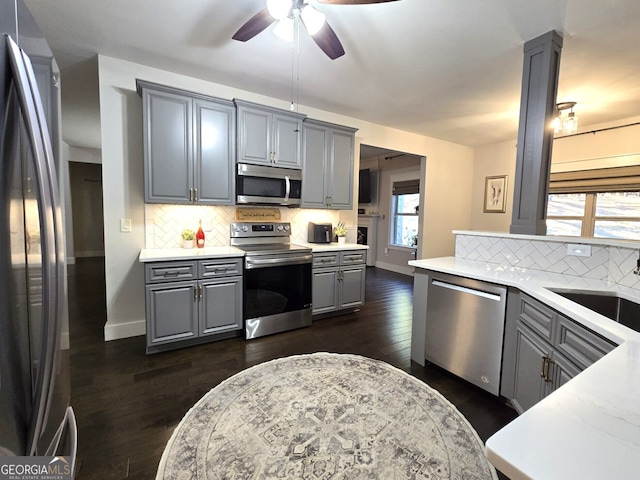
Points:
x=313 y=19
x=279 y=9
x=284 y=29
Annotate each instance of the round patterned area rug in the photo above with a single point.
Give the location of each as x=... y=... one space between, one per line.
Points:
x=324 y=417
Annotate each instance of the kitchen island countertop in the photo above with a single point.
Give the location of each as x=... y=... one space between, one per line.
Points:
x=590 y=427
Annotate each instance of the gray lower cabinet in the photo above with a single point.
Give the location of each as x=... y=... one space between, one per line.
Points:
x=189 y=301
x=543 y=350
x=189 y=147
x=268 y=136
x=327 y=168
x=338 y=280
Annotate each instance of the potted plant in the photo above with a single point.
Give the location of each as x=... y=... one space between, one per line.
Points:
x=188 y=237
x=341 y=232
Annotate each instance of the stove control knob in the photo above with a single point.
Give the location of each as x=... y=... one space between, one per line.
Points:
x=236 y=228
x=245 y=228
x=280 y=228
x=286 y=228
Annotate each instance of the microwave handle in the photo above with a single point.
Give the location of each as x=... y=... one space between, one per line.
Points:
x=327 y=235
x=287 y=188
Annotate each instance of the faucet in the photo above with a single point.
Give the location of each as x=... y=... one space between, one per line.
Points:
x=636 y=271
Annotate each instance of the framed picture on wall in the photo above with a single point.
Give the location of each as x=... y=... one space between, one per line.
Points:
x=495 y=193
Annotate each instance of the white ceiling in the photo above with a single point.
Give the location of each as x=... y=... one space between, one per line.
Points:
x=449 y=69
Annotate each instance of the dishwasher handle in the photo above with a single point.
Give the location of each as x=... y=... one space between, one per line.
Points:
x=470 y=291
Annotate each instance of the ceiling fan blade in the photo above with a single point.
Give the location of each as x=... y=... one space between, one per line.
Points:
x=353 y=2
x=254 y=25
x=328 y=42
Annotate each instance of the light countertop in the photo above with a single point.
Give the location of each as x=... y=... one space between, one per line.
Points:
x=329 y=247
x=169 y=254
x=590 y=427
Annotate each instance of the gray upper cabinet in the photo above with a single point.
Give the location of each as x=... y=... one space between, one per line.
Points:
x=328 y=151
x=268 y=136
x=189 y=147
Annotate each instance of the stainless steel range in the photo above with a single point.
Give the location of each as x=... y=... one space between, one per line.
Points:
x=277 y=278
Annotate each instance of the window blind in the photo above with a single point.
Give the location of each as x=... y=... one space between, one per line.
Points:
x=406 y=187
x=613 y=179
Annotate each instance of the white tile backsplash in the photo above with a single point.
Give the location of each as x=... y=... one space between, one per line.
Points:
x=612 y=263
x=164 y=223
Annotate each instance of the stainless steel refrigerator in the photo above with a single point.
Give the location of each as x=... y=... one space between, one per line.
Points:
x=35 y=416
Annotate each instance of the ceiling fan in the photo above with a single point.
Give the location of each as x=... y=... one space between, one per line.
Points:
x=288 y=13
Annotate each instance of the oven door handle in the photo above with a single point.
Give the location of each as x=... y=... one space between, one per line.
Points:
x=287 y=191
x=250 y=263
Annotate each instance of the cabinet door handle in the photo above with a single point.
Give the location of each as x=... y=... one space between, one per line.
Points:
x=546 y=366
x=195 y=194
x=171 y=273
x=195 y=293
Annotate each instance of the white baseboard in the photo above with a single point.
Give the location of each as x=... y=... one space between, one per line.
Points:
x=404 y=270
x=124 y=330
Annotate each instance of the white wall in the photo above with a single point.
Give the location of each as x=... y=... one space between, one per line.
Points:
x=607 y=148
x=448 y=179
x=490 y=161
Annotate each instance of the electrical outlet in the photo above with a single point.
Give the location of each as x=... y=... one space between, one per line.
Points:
x=576 y=250
x=206 y=226
x=125 y=225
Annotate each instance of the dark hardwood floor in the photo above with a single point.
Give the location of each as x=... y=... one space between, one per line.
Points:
x=128 y=403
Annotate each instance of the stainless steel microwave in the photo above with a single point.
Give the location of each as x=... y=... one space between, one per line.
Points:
x=260 y=185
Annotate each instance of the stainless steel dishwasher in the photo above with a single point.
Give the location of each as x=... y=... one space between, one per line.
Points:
x=465 y=328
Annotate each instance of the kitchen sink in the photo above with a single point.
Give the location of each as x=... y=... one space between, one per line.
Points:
x=608 y=304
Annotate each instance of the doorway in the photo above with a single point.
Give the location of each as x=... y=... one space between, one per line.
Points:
x=86 y=203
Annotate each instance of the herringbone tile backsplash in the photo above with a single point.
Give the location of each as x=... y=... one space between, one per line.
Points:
x=614 y=264
x=164 y=223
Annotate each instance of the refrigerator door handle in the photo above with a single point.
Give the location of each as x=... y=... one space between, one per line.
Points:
x=50 y=224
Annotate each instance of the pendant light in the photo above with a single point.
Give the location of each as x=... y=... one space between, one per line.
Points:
x=567 y=125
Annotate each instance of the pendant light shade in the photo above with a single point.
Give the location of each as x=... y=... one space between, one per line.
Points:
x=279 y=9
x=570 y=124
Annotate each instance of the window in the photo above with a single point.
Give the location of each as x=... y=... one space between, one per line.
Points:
x=405 y=198
x=601 y=215
x=603 y=203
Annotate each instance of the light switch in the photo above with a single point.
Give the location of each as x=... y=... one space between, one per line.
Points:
x=125 y=224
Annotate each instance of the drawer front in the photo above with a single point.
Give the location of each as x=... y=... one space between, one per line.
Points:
x=157 y=272
x=353 y=257
x=219 y=267
x=580 y=345
x=537 y=316
x=325 y=260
